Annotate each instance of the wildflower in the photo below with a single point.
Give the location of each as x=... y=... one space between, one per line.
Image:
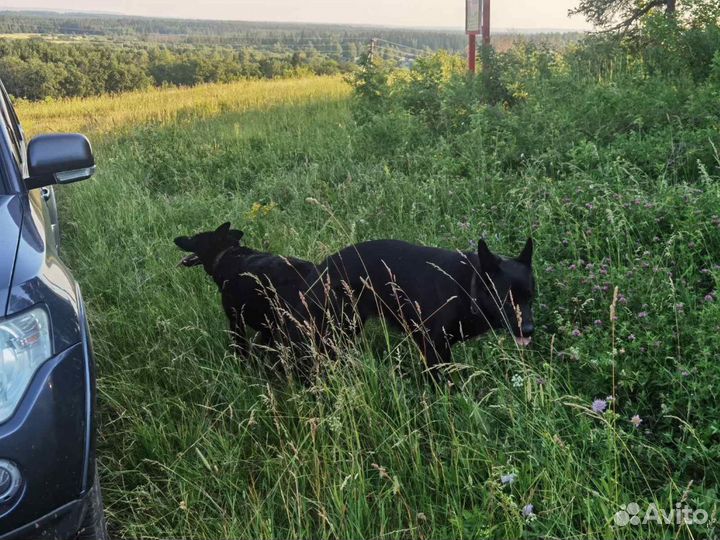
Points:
x=573 y=267
x=382 y=471
x=507 y=479
x=709 y=298
x=685 y=373
x=642 y=315
x=464 y=225
x=599 y=406
x=540 y=381
x=636 y=420
x=598 y=322
x=517 y=380
x=576 y=333
x=622 y=299
x=631 y=337
x=528 y=510
x=609 y=399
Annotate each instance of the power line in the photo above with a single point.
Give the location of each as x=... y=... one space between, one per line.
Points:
x=401 y=45
x=388 y=50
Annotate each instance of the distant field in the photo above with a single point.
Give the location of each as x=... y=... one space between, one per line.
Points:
x=108 y=114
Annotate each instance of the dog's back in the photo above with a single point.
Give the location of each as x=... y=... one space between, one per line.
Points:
x=264 y=288
x=406 y=283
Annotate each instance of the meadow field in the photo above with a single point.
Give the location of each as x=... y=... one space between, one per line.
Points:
x=615 y=176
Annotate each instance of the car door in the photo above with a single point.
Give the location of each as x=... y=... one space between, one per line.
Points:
x=45 y=196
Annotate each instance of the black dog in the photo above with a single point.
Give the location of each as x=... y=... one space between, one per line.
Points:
x=439 y=297
x=263 y=291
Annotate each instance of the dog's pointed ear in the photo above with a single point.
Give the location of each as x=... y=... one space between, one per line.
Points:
x=224 y=228
x=527 y=253
x=488 y=261
x=236 y=235
x=185 y=243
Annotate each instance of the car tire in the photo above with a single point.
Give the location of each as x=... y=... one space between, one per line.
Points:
x=94 y=526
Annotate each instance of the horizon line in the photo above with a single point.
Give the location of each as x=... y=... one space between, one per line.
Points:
x=459 y=29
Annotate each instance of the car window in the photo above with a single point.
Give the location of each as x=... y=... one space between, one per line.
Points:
x=3 y=183
x=11 y=125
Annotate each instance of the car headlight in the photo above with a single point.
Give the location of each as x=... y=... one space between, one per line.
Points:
x=24 y=345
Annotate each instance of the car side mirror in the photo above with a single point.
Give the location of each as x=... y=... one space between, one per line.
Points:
x=60 y=158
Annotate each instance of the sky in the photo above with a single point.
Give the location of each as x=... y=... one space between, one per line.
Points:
x=505 y=14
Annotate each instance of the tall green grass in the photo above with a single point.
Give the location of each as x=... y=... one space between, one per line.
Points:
x=197 y=443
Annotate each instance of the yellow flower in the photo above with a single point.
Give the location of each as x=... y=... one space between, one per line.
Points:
x=259 y=209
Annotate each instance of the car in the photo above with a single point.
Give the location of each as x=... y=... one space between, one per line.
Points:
x=49 y=486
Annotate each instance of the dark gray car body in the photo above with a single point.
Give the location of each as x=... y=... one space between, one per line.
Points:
x=50 y=436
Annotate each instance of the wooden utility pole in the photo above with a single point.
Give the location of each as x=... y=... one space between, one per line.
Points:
x=472 y=52
x=486 y=22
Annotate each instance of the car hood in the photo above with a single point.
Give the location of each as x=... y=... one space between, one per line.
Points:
x=10 y=222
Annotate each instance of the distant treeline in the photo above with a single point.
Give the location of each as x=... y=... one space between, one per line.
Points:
x=36 y=69
x=258 y=35
x=52 y=55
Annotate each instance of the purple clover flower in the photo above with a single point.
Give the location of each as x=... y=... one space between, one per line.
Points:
x=599 y=406
x=576 y=332
x=528 y=510
x=507 y=479
x=643 y=315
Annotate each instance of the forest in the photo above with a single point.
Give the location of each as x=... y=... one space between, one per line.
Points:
x=50 y=55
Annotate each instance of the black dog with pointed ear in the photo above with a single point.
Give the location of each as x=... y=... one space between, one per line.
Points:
x=208 y=246
x=268 y=293
x=438 y=296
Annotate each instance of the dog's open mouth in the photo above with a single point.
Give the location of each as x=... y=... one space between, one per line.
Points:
x=190 y=260
x=523 y=341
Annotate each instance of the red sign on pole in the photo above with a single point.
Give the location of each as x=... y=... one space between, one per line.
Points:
x=473 y=16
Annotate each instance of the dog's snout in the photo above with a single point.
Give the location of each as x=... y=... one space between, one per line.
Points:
x=527 y=329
